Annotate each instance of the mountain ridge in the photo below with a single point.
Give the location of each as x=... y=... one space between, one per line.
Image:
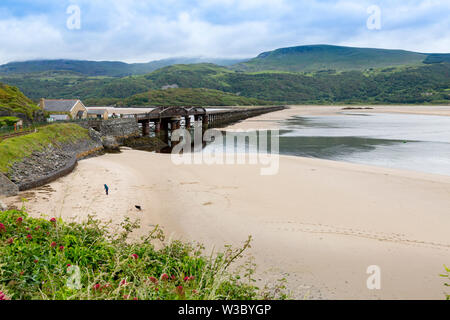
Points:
x=304 y=58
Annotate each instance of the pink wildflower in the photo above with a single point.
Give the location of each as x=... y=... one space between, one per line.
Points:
x=135 y=256
x=2 y=227
x=29 y=237
x=3 y=296
x=165 y=276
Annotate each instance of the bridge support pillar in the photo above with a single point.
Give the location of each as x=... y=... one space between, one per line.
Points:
x=146 y=128
x=157 y=127
x=205 y=121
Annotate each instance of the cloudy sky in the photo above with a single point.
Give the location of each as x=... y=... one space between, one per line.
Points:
x=144 y=30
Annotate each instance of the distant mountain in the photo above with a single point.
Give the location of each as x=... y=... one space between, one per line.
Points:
x=103 y=68
x=326 y=57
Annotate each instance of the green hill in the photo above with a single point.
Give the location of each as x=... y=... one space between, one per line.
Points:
x=15 y=103
x=425 y=83
x=326 y=57
x=190 y=97
x=102 y=68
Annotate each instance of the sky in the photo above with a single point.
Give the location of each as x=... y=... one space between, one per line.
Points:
x=146 y=30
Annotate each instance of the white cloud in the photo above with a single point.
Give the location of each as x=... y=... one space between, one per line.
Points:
x=136 y=30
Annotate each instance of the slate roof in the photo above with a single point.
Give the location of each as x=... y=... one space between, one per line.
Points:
x=97 y=111
x=59 y=105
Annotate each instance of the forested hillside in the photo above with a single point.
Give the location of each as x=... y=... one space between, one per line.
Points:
x=425 y=84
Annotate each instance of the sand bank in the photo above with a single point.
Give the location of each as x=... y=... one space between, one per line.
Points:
x=317 y=223
x=272 y=120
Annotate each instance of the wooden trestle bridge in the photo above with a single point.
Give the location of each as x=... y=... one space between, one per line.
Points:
x=166 y=119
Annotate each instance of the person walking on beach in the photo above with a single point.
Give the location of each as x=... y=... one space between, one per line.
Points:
x=106 y=189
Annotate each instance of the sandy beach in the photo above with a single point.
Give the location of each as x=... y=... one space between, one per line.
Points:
x=319 y=224
x=271 y=120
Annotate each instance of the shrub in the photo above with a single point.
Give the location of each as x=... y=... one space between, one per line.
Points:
x=447 y=276
x=56 y=260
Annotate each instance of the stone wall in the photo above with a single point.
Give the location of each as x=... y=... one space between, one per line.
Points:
x=50 y=164
x=121 y=128
x=7 y=188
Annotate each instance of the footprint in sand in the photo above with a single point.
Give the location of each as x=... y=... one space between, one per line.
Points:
x=207 y=203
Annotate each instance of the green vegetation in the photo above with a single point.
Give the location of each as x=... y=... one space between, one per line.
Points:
x=8 y=121
x=102 y=68
x=425 y=84
x=325 y=57
x=15 y=149
x=13 y=102
x=190 y=97
x=55 y=260
x=446 y=275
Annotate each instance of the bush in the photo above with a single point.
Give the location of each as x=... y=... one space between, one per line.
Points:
x=55 y=260
x=447 y=276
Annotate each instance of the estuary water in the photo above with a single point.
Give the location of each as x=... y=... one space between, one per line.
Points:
x=413 y=142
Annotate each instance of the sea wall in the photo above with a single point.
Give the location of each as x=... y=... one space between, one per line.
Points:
x=50 y=164
x=7 y=188
x=121 y=128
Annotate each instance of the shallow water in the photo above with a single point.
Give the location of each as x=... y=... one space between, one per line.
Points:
x=414 y=142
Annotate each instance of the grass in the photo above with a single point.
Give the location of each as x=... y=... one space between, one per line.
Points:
x=43 y=259
x=13 y=101
x=15 y=149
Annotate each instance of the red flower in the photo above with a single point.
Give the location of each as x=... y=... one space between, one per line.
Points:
x=61 y=248
x=135 y=299
x=69 y=265
x=96 y=287
x=135 y=256
x=165 y=276
x=53 y=220
x=172 y=277
x=191 y=278
x=107 y=286
x=2 y=227
x=153 y=279
x=53 y=244
x=186 y=279
x=35 y=261
x=123 y=282
x=3 y=296
x=29 y=237
x=11 y=241
x=37 y=228
x=126 y=297
x=19 y=220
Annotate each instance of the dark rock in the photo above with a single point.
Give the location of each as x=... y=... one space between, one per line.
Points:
x=7 y=188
